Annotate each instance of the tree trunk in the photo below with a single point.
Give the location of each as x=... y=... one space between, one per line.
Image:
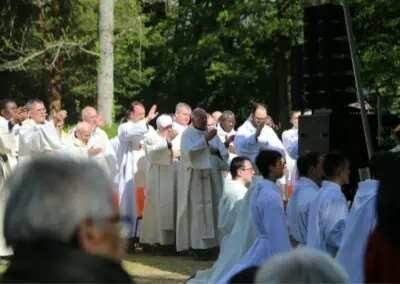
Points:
x=105 y=77
x=55 y=74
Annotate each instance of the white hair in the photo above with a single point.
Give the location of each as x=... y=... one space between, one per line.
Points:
x=303 y=265
x=180 y=106
x=85 y=111
x=49 y=196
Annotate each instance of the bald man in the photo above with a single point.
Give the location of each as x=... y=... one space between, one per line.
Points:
x=199 y=181
x=77 y=145
x=99 y=142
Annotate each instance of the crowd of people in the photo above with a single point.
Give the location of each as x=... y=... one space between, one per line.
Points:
x=211 y=190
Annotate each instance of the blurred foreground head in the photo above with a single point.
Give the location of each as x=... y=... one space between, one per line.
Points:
x=303 y=265
x=61 y=223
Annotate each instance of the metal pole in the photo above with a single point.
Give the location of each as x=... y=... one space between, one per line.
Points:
x=356 y=70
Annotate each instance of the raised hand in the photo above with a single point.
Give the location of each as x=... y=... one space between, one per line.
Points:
x=210 y=134
x=152 y=113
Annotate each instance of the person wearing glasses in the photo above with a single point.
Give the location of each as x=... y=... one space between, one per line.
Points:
x=61 y=221
x=37 y=135
x=255 y=135
x=268 y=215
x=230 y=210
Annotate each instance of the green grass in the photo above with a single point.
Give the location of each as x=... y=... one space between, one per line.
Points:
x=146 y=268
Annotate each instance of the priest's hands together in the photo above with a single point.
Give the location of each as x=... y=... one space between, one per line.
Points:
x=210 y=134
x=172 y=133
x=19 y=116
x=94 y=151
x=152 y=113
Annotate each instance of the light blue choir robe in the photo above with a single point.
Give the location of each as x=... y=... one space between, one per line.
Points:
x=359 y=225
x=229 y=210
x=290 y=139
x=327 y=219
x=298 y=207
x=248 y=145
x=269 y=222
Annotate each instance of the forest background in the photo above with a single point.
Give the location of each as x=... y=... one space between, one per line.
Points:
x=220 y=55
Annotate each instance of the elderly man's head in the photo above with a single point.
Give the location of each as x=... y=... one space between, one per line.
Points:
x=89 y=115
x=63 y=200
x=164 y=124
x=36 y=110
x=182 y=114
x=259 y=114
x=227 y=121
x=83 y=132
x=199 y=119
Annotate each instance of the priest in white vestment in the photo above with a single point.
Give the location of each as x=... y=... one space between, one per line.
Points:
x=226 y=132
x=130 y=134
x=328 y=212
x=158 y=225
x=254 y=135
x=362 y=220
x=77 y=147
x=182 y=119
x=199 y=180
x=99 y=143
x=306 y=189
x=37 y=135
x=10 y=117
x=269 y=218
x=229 y=211
x=290 y=139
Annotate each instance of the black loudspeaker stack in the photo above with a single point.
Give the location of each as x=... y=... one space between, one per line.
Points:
x=327 y=67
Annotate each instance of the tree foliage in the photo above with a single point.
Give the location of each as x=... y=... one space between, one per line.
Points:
x=216 y=54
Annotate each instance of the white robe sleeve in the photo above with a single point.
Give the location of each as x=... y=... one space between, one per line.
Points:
x=276 y=227
x=268 y=140
x=291 y=144
x=245 y=142
x=155 y=148
x=130 y=131
x=335 y=214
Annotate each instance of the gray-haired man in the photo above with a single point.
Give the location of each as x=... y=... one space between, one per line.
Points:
x=61 y=222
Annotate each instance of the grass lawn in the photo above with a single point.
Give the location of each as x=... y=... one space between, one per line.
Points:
x=146 y=268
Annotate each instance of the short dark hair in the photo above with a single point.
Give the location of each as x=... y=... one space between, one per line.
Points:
x=4 y=103
x=132 y=106
x=236 y=164
x=265 y=159
x=334 y=162
x=379 y=162
x=305 y=162
x=256 y=106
